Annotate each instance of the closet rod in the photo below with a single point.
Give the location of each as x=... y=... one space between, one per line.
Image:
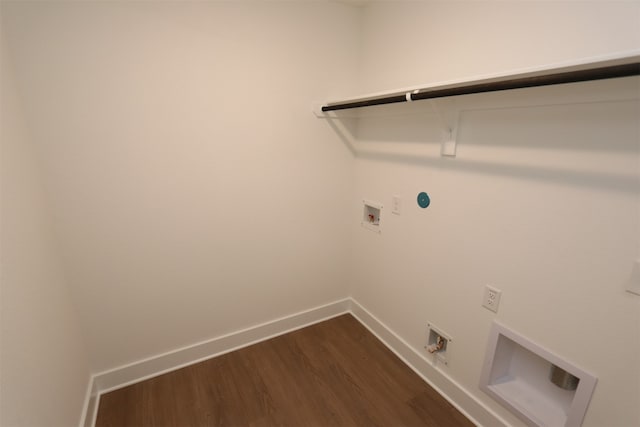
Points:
x=608 y=72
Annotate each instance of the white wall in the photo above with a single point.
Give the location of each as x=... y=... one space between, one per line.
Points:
x=186 y=209
x=44 y=371
x=541 y=202
x=445 y=40
x=194 y=192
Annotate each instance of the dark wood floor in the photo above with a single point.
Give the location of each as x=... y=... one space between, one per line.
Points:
x=335 y=373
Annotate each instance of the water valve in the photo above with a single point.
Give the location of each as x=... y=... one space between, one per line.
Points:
x=436 y=346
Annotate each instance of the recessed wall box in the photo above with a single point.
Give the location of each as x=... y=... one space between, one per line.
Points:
x=536 y=385
x=371 y=215
x=437 y=344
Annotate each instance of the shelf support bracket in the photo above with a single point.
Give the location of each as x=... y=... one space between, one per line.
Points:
x=450 y=141
x=449 y=118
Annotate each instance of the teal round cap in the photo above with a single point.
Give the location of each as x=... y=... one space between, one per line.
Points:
x=423 y=200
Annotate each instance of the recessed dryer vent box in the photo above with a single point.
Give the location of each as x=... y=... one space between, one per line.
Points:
x=536 y=385
x=371 y=215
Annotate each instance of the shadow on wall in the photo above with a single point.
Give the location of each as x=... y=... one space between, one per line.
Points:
x=584 y=134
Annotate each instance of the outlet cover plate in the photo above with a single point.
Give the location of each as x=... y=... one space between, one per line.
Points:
x=396 y=205
x=491 y=298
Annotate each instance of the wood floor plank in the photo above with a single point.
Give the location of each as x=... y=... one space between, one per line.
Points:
x=335 y=373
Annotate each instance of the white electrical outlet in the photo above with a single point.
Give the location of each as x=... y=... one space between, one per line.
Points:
x=396 y=204
x=491 y=298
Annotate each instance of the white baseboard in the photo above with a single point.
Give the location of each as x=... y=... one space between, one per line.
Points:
x=90 y=411
x=141 y=370
x=452 y=391
x=144 y=369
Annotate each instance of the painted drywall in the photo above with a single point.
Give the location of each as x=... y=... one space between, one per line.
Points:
x=194 y=194
x=44 y=369
x=541 y=200
x=443 y=40
x=194 y=191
